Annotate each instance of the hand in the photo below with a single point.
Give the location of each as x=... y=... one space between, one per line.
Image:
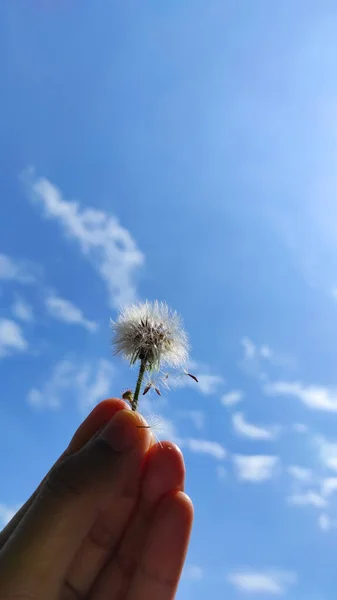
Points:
x=109 y=522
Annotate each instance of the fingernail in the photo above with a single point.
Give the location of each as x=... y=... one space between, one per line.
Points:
x=121 y=432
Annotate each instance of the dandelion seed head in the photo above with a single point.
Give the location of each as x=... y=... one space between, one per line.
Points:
x=150 y=332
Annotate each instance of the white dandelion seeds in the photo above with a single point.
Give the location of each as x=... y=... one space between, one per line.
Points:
x=152 y=334
x=156 y=424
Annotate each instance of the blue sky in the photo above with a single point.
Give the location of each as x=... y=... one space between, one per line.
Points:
x=184 y=151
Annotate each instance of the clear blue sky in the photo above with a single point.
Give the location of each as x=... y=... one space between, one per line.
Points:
x=198 y=140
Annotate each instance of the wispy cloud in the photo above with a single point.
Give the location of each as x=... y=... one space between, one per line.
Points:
x=325 y=523
x=86 y=383
x=328 y=452
x=255 y=468
x=249 y=348
x=258 y=359
x=231 y=398
x=18 y=270
x=65 y=311
x=11 y=338
x=308 y=498
x=313 y=396
x=329 y=486
x=208 y=383
x=200 y=446
x=300 y=473
x=22 y=310
x=270 y=582
x=254 y=357
x=108 y=246
x=254 y=432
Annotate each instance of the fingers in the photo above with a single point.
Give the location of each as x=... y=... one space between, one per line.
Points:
x=42 y=548
x=163 y=558
x=98 y=417
x=164 y=472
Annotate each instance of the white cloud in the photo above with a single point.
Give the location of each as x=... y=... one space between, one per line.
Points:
x=108 y=246
x=21 y=271
x=329 y=486
x=324 y=522
x=328 y=453
x=254 y=432
x=11 y=338
x=299 y=473
x=86 y=383
x=309 y=498
x=254 y=353
x=65 y=311
x=249 y=348
x=255 y=468
x=314 y=396
x=232 y=398
x=7 y=513
x=200 y=446
x=209 y=384
x=193 y=573
x=255 y=358
x=273 y=582
x=22 y=310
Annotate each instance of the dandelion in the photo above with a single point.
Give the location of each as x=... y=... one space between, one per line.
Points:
x=153 y=335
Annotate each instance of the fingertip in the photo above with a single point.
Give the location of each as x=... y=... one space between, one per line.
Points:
x=100 y=415
x=126 y=430
x=164 y=471
x=108 y=407
x=185 y=505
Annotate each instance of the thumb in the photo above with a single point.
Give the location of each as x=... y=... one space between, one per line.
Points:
x=37 y=556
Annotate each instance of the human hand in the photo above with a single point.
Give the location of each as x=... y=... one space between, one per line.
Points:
x=109 y=522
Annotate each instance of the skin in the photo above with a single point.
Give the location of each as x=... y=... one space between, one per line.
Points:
x=110 y=521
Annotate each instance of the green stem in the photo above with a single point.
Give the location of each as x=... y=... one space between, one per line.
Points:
x=141 y=374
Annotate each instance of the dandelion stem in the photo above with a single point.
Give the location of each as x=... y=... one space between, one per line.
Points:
x=141 y=374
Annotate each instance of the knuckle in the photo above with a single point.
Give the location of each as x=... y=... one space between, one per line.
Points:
x=102 y=536
x=63 y=480
x=101 y=451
